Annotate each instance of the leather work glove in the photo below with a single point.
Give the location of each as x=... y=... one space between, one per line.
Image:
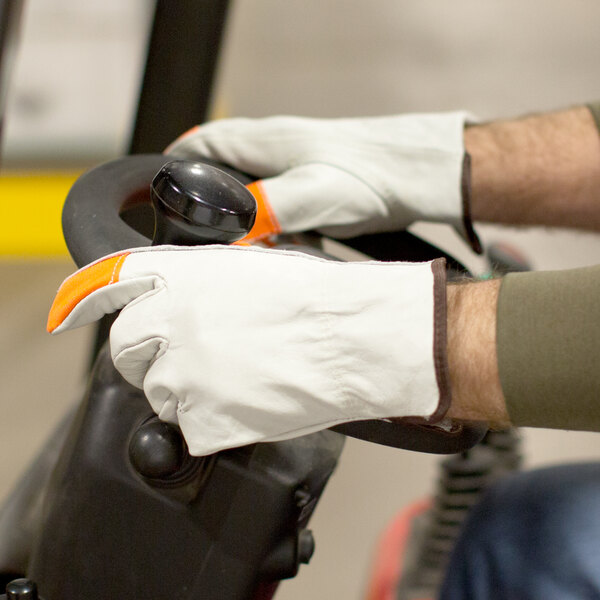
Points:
x=244 y=344
x=345 y=177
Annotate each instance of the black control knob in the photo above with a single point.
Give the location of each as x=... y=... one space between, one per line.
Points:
x=157 y=450
x=21 y=589
x=306 y=546
x=284 y=559
x=195 y=203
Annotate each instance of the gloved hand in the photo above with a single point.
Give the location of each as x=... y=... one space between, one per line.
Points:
x=240 y=345
x=344 y=177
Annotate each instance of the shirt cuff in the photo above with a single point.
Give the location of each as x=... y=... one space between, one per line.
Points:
x=548 y=338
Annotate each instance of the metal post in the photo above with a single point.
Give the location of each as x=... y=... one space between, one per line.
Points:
x=10 y=18
x=180 y=67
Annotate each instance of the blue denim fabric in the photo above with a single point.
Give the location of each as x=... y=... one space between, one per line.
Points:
x=535 y=535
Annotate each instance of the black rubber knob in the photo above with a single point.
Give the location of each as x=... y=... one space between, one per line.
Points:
x=157 y=450
x=21 y=589
x=306 y=546
x=195 y=203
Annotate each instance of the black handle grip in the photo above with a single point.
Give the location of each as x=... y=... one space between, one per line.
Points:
x=419 y=438
x=196 y=203
x=92 y=214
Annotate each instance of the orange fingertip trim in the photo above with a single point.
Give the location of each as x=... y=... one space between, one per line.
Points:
x=82 y=284
x=266 y=223
x=181 y=137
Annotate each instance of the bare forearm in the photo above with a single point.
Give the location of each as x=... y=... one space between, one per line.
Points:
x=476 y=391
x=539 y=170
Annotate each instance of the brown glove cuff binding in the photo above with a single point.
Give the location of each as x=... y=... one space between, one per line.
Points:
x=470 y=234
x=440 y=347
x=440 y=339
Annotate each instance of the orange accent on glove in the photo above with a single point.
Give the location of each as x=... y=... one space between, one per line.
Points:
x=181 y=137
x=266 y=223
x=82 y=284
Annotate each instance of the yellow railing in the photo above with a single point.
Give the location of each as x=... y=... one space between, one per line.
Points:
x=30 y=213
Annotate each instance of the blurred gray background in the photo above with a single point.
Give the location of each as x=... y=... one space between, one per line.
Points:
x=71 y=104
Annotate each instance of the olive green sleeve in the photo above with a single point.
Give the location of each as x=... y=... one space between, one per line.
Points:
x=548 y=341
x=595 y=110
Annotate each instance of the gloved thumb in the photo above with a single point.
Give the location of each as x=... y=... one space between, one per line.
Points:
x=95 y=291
x=321 y=197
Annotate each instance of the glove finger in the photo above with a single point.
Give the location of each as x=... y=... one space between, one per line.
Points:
x=139 y=336
x=93 y=292
x=314 y=197
x=260 y=147
x=203 y=440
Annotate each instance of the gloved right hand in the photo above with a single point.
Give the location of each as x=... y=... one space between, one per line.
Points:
x=344 y=177
x=241 y=345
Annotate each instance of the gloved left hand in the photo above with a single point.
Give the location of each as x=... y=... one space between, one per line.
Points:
x=240 y=345
x=345 y=177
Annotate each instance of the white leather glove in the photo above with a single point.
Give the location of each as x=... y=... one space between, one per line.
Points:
x=344 y=177
x=240 y=345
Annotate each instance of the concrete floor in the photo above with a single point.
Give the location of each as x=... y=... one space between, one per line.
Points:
x=326 y=58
